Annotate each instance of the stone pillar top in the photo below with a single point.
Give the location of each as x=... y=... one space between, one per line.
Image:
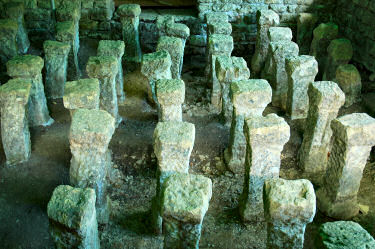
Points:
x=326 y=30
x=102 y=66
x=8 y=25
x=347 y=71
x=65 y=31
x=170 y=91
x=111 y=48
x=131 y=10
x=186 y=197
x=177 y=29
x=56 y=48
x=268 y=17
x=216 y=17
x=25 y=66
x=68 y=10
x=289 y=201
x=171 y=41
x=224 y=28
x=340 y=49
x=229 y=69
x=302 y=66
x=14 y=9
x=80 y=94
x=153 y=63
x=280 y=34
x=72 y=207
x=15 y=88
x=327 y=91
x=355 y=129
x=218 y=44
x=172 y=133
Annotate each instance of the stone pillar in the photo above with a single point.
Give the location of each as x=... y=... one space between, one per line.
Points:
x=116 y=49
x=289 y=205
x=15 y=134
x=185 y=202
x=16 y=12
x=173 y=144
x=156 y=66
x=353 y=137
x=344 y=235
x=340 y=52
x=29 y=67
x=66 y=32
x=279 y=53
x=56 y=59
x=170 y=95
x=265 y=137
x=105 y=69
x=90 y=133
x=265 y=20
x=129 y=15
x=249 y=98
x=228 y=70
x=305 y=25
x=323 y=35
x=175 y=48
x=301 y=71
x=325 y=99
x=82 y=94
x=349 y=80
x=218 y=45
x=72 y=218
x=8 y=39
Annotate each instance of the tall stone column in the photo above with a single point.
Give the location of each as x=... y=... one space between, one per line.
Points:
x=250 y=98
x=340 y=52
x=16 y=12
x=170 y=95
x=185 y=202
x=116 y=49
x=265 y=20
x=56 y=60
x=129 y=15
x=15 y=134
x=228 y=70
x=156 y=66
x=89 y=136
x=353 y=137
x=265 y=137
x=105 y=69
x=302 y=71
x=349 y=80
x=29 y=67
x=289 y=205
x=173 y=144
x=325 y=99
x=8 y=39
x=305 y=25
x=174 y=46
x=72 y=218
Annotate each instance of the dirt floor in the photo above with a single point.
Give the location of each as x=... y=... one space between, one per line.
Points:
x=26 y=189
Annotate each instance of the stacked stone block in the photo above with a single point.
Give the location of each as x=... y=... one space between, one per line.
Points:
x=249 y=98
x=8 y=39
x=174 y=46
x=15 y=134
x=305 y=25
x=29 y=67
x=340 y=52
x=325 y=100
x=349 y=80
x=353 y=137
x=265 y=137
x=170 y=95
x=72 y=218
x=90 y=133
x=40 y=21
x=289 y=205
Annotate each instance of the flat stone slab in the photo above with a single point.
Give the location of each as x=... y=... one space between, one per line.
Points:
x=25 y=66
x=82 y=94
x=170 y=91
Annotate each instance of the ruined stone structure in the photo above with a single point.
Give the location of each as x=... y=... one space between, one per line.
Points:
x=340 y=52
x=175 y=47
x=349 y=80
x=170 y=95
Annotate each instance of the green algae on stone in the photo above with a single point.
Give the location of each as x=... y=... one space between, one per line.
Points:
x=82 y=94
x=170 y=95
x=24 y=66
x=340 y=52
x=65 y=31
x=174 y=46
x=349 y=80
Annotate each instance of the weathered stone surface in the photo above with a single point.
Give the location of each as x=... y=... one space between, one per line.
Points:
x=116 y=49
x=343 y=235
x=305 y=25
x=349 y=80
x=90 y=133
x=216 y=17
x=56 y=60
x=68 y=10
x=249 y=98
x=72 y=216
x=353 y=137
x=8 y=39
x=323 y=35
x=170 y=95
x=175 y=47
x=105 y=69
x=185 y=202
x=288 y=206
x=265 y=20
x=325 y=99
x=301 y=71
x=29 y=67
x=265 y=137
x=82 y=94
x=15 y=134
x=179 y=30
x=276 y=34
x=340 y=52
x=220 y=27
